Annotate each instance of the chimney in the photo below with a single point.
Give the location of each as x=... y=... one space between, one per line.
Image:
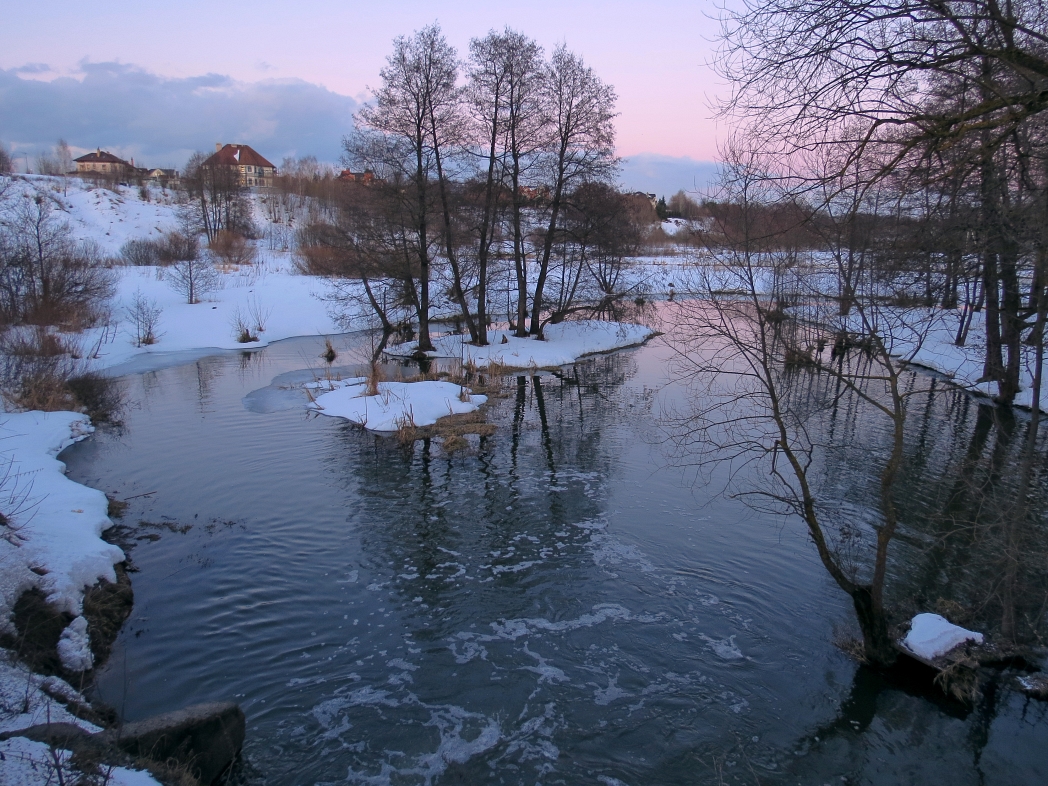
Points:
x=218 y=146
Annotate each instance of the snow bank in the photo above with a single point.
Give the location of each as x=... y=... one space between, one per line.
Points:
x=564 y=343
x=24 y=699
x=964 y=365
x=24 y=702
x=28 y=763
x=287 y=302
x=397 y=403
x=106 y=217
x=931 y=636
x=53 y=539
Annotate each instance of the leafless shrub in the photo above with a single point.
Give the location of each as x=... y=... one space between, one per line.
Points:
x=98 y=396
x=329 y=353
x=43 y=370
x=230 y=249
x=241 y=327
x=258 y=314
x=178 y=247
x=193 y=278
x=16 y=501
x=144 y=316
x=35 y=367
x=46 y=277
x=141 y=252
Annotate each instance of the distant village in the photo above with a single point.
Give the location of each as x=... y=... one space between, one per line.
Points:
x=254 y=170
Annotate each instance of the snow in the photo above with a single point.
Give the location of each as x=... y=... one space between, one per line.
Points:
x=564 y=343
x=55 y=524
x=932 y=635
x=121 y=776
x=288 y=301
x=74 y=646
x=104 y=216
x=24 y=702
x=28 y=763
x=396 y=404
x=964 y=365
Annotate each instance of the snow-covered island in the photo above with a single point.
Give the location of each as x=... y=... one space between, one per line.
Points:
x=560 y=345
x=394 y=405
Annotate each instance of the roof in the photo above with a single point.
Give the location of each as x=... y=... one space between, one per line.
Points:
x=237 y=155
x=101 y=157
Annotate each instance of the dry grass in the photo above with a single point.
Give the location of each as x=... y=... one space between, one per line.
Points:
x=454 y=443
x=407 y=431
x=241 y=327
x=374 y=377
x=42 y=370
x=329 y=354
x=454 y=428
x=960 y=680
x=850 y=645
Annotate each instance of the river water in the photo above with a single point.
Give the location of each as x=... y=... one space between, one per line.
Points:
x=563 y=602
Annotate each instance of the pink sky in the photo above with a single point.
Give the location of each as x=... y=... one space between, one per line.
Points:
x=654 y=55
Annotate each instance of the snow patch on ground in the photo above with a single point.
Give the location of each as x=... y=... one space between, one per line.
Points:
x=564 y=343
x=25 y=699
x=74 y=646
x=28 y=763
x=53 y=541
x=396 y=404
x=932 y=635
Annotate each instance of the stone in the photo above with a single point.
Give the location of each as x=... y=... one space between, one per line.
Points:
x=204 y=738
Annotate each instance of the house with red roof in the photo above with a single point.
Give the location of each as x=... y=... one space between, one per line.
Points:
x=102 y=162
x=366 y=178
x=253 y=169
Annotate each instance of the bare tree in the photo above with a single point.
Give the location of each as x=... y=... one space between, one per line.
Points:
x=6 y=164
x=953 y=89
x=192 y=277
x=401 y=136
x=579 y=110
x=503 y=94
x=144 y=315
x=765 y=316
x=46 y=277
x=215 y=198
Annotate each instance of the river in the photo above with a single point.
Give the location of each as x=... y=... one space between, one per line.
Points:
x=562 y=602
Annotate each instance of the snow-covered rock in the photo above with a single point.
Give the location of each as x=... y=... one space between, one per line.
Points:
x=931 y=636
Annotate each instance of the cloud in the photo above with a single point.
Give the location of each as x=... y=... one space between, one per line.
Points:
x=162 y=120
x=666 y=175
x=33 y=68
